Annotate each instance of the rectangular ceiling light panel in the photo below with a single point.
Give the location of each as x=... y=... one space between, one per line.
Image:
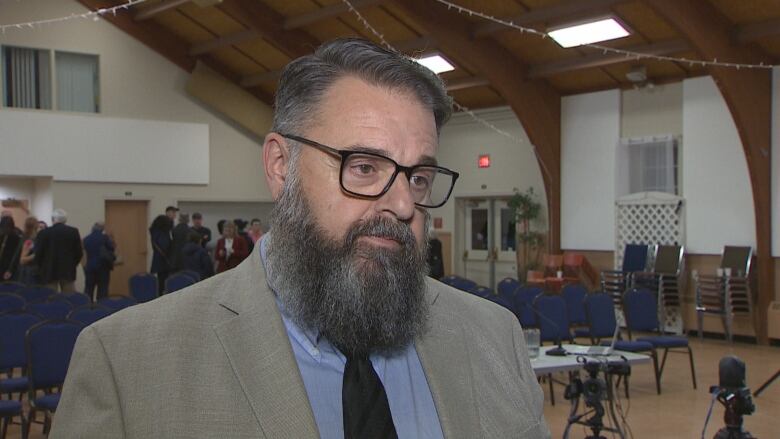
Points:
x=588 y=33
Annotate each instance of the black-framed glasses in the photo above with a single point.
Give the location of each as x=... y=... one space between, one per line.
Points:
x=370 y=175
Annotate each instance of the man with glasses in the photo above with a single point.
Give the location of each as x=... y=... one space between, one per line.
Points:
x=331 y=328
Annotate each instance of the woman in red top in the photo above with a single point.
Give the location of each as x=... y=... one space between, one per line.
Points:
x=231 y=248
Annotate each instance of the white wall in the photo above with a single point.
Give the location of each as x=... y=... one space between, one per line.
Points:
x=776 y=162
x=80 y=147
x=513 y=164
x=719 y=200
x=590 y=130
x=138 y=83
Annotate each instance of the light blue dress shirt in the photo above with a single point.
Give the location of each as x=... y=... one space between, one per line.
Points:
x=322 y=368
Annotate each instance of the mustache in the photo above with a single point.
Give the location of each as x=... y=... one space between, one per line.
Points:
x=382 y=227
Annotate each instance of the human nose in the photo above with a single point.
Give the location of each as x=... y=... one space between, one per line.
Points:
x=398 y=200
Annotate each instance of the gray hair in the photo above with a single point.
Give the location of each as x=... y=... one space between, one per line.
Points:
x=59 y=216
x=305 y=81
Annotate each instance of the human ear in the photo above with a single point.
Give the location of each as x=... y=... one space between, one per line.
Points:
x=276 y=161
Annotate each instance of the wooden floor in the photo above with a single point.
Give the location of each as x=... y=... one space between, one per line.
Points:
x=680 y=410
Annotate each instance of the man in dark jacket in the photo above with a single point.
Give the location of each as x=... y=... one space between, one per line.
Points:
x=100 y=261
x=180 y=233
x=58 y=252
x=197 y=225
x=196 y=258
x=160 y=235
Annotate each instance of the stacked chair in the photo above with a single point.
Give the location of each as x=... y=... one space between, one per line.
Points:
x=726 y=294
x=665 y=279
x=616 y=282
x=143 y=287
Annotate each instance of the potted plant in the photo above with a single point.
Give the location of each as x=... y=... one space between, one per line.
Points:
x=525 y=208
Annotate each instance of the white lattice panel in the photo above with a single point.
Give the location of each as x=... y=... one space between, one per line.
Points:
x=652 y=218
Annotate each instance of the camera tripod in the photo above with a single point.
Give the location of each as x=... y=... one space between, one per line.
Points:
x=767 y=383
x=595 y=390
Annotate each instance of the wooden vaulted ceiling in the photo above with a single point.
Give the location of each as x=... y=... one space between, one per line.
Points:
x=249 y=41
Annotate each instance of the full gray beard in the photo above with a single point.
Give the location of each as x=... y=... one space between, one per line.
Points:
x=361 y=298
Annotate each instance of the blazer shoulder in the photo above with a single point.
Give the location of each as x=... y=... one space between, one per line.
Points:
x=468 y=307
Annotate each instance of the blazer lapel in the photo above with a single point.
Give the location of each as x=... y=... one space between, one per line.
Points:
x=450 y=381
x=258 y=349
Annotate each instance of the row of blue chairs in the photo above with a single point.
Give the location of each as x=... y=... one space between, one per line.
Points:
x=42 y=348
x=590 y=315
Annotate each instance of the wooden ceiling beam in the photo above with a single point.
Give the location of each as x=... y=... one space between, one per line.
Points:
x=147 y=13
x=460 y=84
x=166 y=43
x=331 y=11
x=753 y=31
x=604 y=59
x=536 y=103
x=223 y=41
x=747 y=93
x=559 y=12
x=260 y=78
x=268 y=23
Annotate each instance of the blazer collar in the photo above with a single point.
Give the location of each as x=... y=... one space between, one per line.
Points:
x=260 y=354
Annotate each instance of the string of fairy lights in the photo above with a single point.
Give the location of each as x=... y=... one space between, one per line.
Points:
x=605 y=49
x=457 y=106
x=90 y=15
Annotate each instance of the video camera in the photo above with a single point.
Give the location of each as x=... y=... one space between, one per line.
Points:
x=594 y=390
x=734 y=394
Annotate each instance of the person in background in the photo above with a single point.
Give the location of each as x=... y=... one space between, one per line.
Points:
x=203 y=231
x=28 y=271
x=10 y=247
x=435 y=259
x=58 y=252
x=179 y=235
x=231 y=248
x=42 y=225
x=160 y=234
x=195 y=257
x=171 y=212
x=241 y=231
x=255 y=230
x=101 y=254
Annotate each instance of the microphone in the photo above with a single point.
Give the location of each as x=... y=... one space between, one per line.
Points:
x=557 y=351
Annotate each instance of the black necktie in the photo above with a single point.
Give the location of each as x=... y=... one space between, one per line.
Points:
x=364 y=401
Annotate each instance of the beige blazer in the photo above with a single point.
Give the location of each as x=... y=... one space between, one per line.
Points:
x=214 y=361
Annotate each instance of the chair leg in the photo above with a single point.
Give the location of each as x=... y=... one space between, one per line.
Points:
x=552 y=392
x=5 y=422
x=693 y=369
x=663 y=362
x=30 y=417
x=625 y=385
x=46 y=423
x=654 y=355
x=700 y=324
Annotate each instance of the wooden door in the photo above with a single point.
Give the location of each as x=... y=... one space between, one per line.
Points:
x=127 y=222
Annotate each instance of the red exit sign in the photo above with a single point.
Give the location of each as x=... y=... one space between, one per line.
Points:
x=484 y=161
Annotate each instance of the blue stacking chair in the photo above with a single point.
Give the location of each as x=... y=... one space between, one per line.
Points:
x=36 y=293
x=600 y=312
x=507 y=286
x=49 y=346
x=8 y=410
x=524 y=299
x=11 y=302
x=635 y=260
x=641 y=309
x=550 y=313
x=13 y=327
x=191 y=273
x=459 y=282
x=77 y=299
x=52 y=310
x=116 y=303
x=177 y=282
x=499 y=300
x=574 y=295
x=89 y=314
x=481 y=291
x=554 y=320
x=10 y=287
x=143 y=287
